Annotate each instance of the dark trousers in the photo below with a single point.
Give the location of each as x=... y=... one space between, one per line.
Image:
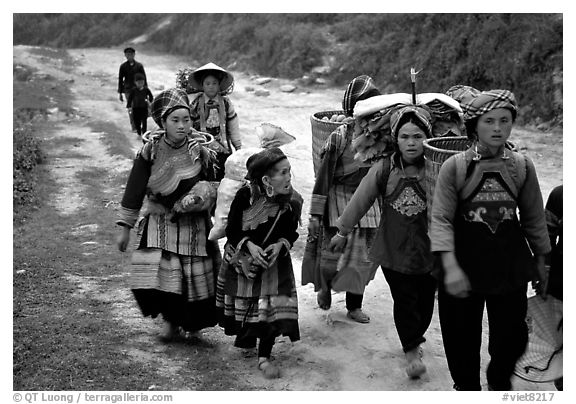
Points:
x=140 y=116
x=461 y=325
x=413 y=297
x=264 y=346
x=353 y=301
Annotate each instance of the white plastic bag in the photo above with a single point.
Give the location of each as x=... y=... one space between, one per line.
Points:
x=226 y=193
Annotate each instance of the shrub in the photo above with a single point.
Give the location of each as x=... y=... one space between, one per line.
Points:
x=26 y=154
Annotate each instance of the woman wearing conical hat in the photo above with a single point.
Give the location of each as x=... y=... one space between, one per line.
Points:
x=213 y=112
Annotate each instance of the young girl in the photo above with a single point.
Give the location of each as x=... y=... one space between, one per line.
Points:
x=174 y=266
x=213 y=112
x=260 y=301
x=338 y=177
x=402 y=246
x=488 y=254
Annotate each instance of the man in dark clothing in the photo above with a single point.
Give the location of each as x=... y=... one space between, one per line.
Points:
x=126 y=79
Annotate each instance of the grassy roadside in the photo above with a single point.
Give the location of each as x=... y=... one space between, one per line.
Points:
x=69 y=291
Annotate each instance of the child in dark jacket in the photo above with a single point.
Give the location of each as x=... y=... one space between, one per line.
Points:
x=139 y=99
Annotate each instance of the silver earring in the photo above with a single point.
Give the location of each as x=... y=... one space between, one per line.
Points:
x=269 y=191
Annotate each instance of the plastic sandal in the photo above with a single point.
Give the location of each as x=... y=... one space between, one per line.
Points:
x=415 y=367
x=268 y=369
x=359 y=316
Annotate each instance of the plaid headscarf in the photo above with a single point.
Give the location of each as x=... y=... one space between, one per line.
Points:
x=360 y=88
x=459 y=92
x=166 y=102
x=419 y=112
x=475 y=104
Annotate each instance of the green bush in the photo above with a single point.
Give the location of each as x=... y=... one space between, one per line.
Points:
x=519 y=52
x=26 y=155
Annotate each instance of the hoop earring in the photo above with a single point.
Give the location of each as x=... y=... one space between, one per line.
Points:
x=269 y=190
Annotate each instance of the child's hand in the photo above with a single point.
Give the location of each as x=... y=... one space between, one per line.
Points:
x=455 y=280
x=123 y=238
x=337 y=243
x=540 y=277
x=313 y=227
x=258 y=254
x=272 y=252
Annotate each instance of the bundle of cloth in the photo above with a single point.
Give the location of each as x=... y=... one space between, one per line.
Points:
x=372 y=138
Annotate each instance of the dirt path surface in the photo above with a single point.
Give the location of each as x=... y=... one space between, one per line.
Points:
x=334 y=352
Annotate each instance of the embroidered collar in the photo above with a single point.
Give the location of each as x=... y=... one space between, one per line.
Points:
x=261 y=210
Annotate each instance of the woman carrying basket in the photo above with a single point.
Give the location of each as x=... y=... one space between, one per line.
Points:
x=338 y=177
x=256 y=293
x=402 y=246
x=488 y=254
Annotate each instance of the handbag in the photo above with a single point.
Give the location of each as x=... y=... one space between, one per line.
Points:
x=242 y=261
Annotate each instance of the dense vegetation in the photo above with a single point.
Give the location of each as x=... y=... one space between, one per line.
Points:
x=521 y=52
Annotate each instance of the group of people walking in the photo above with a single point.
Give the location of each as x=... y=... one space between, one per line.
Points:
x=475 y=252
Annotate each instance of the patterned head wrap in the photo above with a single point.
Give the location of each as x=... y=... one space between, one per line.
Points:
x=419 y=112
x=166 y=102
x=476 y=103
x=360 y=88
x=257 y=164
x=459 y=92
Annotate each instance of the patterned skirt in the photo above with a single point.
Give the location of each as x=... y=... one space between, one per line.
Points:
x=180 y=287
x=348 y=271
x=261 y=308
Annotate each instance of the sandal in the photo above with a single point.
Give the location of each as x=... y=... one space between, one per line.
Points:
x=268 y=369
x=324 y=299
x=359 y=316
x=415 y=367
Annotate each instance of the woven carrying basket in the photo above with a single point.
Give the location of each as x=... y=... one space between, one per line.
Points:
x=436 y=152
x=320 y=132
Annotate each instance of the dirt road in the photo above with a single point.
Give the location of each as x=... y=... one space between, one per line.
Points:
x=334 y=352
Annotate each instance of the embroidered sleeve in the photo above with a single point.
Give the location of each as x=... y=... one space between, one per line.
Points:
x=234 y=232
x=445 y=203
x=134 y=193
x=532 y=216
x=363 y=198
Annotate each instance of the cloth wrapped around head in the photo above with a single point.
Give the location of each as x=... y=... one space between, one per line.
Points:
x=360 y=88
x=421 y=114
x=477 y=103
x=258 y=164
x=166 y=102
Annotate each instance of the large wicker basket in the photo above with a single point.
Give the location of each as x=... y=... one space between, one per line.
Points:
x=436 y=152
x=320 y=132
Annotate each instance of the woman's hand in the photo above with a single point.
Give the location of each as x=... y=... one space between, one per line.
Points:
x=258 y=254
x=123 y=238
x=313 y=227
x=456 y=282
x=338 y=242
x=272 y=252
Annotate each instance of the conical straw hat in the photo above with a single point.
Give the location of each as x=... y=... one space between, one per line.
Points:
x=542 y=361
x=197 y=75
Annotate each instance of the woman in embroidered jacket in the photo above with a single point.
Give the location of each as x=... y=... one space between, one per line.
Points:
x=488 y=254
x=174 y=266
x=262 y=222
x=338 y=176
x=213 y=112
x=402 y=246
